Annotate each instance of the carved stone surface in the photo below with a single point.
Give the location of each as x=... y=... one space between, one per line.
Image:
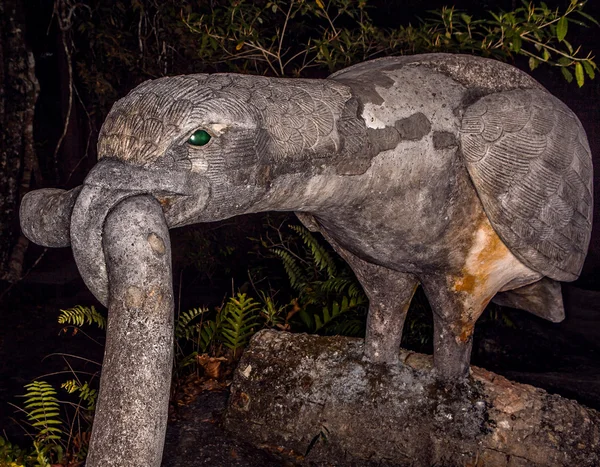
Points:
x=132 y=409
x=460 y=173
x=530 y=162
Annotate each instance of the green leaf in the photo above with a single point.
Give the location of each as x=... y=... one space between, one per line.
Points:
x=516 y=44
x=562 y=28
x=579 y=75
x=589 y=69
x=569 y=46
x=546 y=55
x=567 y=74
x=533 y=63
x=588 y=17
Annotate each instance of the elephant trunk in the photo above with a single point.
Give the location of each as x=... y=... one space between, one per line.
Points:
x=120 y=239
x=45 y=216
x=108 y=184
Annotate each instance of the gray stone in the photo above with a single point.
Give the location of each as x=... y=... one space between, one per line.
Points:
x=45 y=216
x=131 y=416
x=316 y=397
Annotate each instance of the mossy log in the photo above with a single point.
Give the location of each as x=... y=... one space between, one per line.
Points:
x=319 y=398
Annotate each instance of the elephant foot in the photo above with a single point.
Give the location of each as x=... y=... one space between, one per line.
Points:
x=452 y=346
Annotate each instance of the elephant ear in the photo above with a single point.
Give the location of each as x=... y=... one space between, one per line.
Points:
x=300 y=118
x=531 y=165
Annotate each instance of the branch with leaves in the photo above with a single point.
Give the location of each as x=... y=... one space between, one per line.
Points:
x=289 y=37
x=536 y=32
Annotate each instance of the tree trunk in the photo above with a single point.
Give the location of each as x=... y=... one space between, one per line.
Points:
x=18 y=95
x=318 y=397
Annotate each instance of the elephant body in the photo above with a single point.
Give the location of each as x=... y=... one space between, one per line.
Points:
x=459 y=173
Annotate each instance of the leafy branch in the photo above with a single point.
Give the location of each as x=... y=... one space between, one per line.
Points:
x=270 y=37
x=536 y=32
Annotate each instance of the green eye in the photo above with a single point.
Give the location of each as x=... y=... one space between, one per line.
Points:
x=199 y=138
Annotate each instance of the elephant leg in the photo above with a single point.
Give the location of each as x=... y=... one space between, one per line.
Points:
x=454 y=317
x=458 y=298
x=389 y=293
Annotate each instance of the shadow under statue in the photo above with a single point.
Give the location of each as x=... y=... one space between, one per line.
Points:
x=459 y=173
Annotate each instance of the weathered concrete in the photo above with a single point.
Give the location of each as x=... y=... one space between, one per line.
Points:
x=460 y=173
x=293 y=390
x=456 y=172
x=45 y=216
x=131 y=414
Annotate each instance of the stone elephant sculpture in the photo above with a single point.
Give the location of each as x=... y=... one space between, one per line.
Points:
x=459 y=173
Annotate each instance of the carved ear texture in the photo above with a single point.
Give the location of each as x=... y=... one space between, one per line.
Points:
x=299 y=118
x=531 y=164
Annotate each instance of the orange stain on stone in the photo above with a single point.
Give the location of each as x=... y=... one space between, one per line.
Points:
x=486 y=251
x=465 y=335
x=165 y=202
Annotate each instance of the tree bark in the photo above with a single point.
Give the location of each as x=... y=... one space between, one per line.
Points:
x=18 y=95
x=318 y=397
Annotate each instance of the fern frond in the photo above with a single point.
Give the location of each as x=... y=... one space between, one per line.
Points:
x=322 y=259
x=207 y=335
x=184 y=328
x=42 y=409
x=271 y=311
x=239 y=321
x=329 y=313
x=340 y=285
x=355 y=290
x=188 y=360
x=293 y=270
x=85 y=392
x=80 y=315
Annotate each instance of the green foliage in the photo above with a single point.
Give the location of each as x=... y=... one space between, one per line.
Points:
x=286 y=38
x=11 y=455
x=80 y=315
x=535 y=32
x=60 y=429
x=85 y=393
x=42 y=408
x=232 y=327
x=186 y=326
x=54 y=440
x=289 y=37
x=329 y=298
x=239 y=321
x=115 y=45
x=318 y=321
x=271 y=311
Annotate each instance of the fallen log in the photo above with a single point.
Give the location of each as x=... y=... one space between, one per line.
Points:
x=319 y=398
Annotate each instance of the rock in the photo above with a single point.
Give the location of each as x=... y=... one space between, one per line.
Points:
x=318 y=396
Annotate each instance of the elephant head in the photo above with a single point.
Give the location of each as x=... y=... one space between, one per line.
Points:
x=209 y=147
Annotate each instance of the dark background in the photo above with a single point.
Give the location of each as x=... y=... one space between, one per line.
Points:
x=556 y=357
